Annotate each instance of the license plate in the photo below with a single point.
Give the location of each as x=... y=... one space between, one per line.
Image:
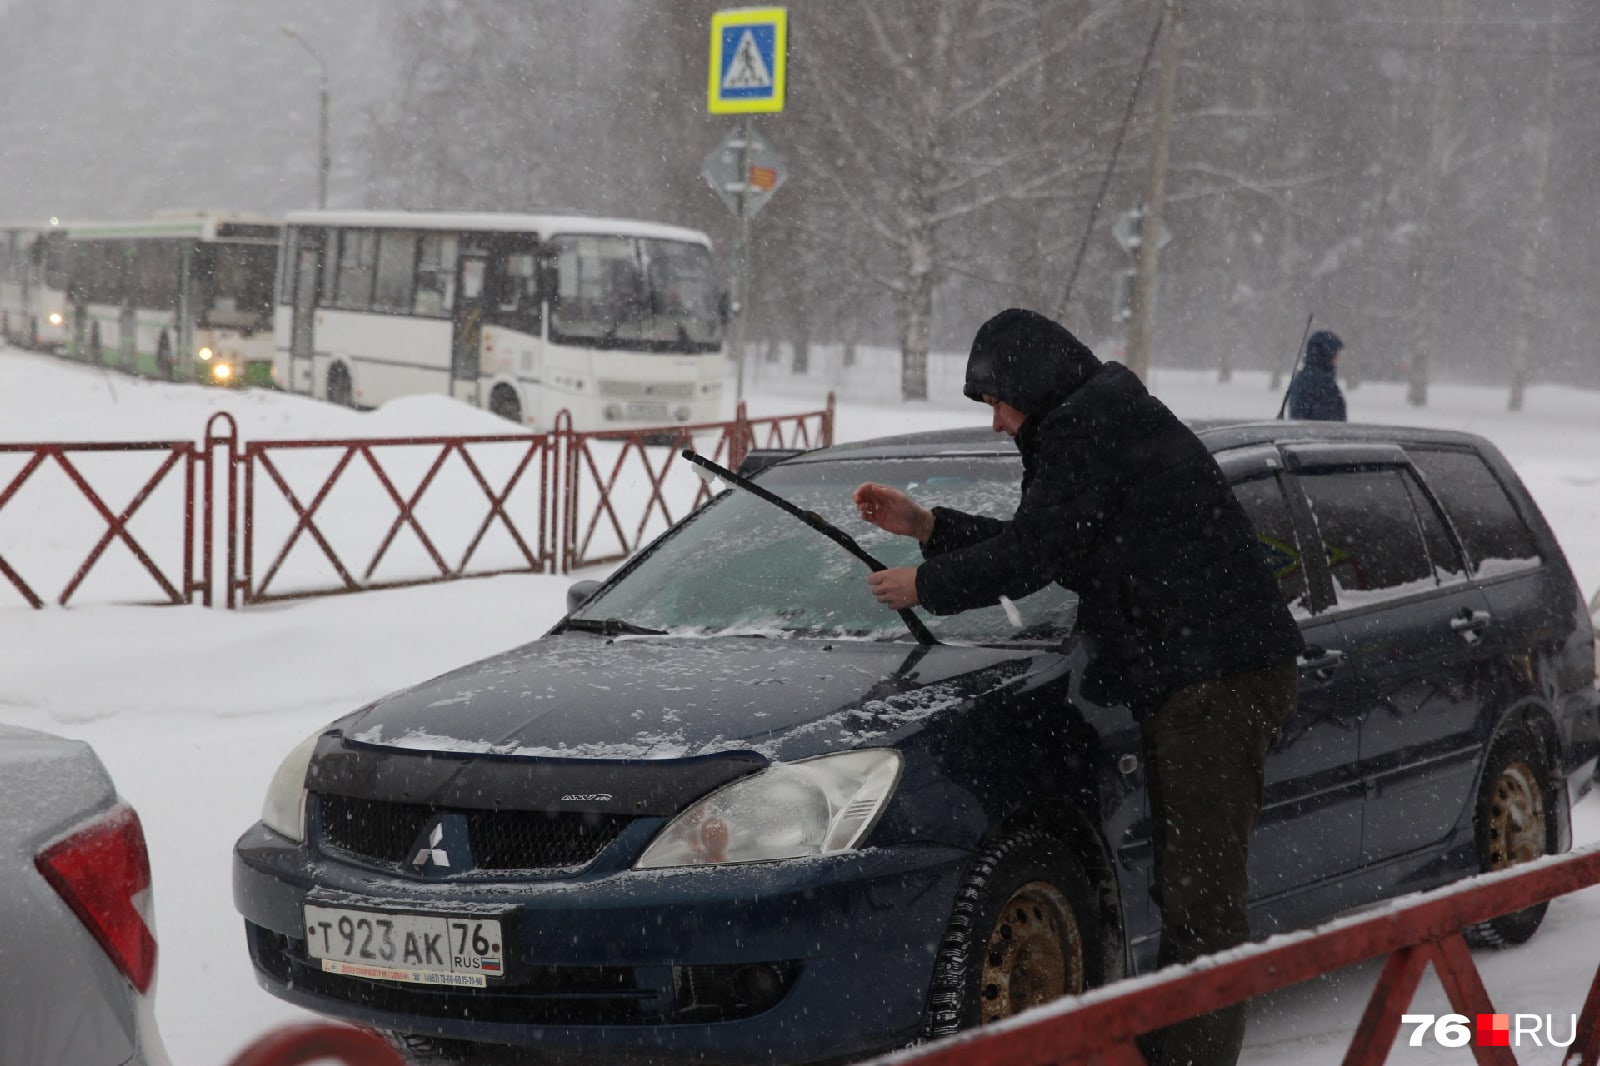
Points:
x=647 y=410
x=422 y=949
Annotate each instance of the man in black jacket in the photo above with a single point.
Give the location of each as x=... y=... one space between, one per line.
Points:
x=1124 y=505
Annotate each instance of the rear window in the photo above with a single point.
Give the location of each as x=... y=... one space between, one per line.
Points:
x=1375 y=549
x=1496 y=538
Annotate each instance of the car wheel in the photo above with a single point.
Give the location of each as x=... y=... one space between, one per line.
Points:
x=1025 y=931
x=1512 y=826
x=503 y=402
x=339 y=391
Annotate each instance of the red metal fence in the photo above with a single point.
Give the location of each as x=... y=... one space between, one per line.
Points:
x=1099 y=1028
x=273 y=520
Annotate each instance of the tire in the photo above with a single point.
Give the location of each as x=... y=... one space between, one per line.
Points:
x=1513 y=824
x=1025 y=930
x=339 y=390
x=503 y=402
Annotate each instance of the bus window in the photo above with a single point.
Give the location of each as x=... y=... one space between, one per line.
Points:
x=357 y=259
x=436 y=275
x=683 y=295
x=514 y=298
x=472 y=278
x=600 y=295
x=397 y=268
x=156 y=272
x=236 y=284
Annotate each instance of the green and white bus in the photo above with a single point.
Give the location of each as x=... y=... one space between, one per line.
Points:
x=33 y=313
x=618 y=322
x=180 y=296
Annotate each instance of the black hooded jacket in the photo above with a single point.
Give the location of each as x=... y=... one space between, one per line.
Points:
x=1314 y=393
x=1124 y=505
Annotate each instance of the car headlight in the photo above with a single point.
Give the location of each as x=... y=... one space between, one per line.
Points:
x=284 y=810
x=787 y=811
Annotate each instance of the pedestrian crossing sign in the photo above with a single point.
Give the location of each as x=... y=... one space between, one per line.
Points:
x=747 y=60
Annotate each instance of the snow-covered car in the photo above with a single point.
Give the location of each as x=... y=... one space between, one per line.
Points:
x=77 y=943
x=731 y=810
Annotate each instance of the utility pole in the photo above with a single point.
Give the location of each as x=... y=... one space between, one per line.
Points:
x=1144 y=283
x=324 y=156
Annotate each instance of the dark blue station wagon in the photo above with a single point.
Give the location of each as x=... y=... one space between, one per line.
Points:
x=730 y=810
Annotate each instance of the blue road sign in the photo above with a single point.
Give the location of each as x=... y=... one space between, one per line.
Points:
x=748 y=47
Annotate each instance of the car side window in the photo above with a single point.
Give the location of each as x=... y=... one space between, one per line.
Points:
x=1375 y=548
x=1269 y=514
x=1494 y=534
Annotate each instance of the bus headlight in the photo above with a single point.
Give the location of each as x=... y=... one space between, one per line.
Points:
x=612 y=412
x=683 y=414
x=205 y=354
x=222 y=372
x=56 y=318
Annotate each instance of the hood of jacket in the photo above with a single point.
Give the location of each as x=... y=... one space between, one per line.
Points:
x=1028 y=361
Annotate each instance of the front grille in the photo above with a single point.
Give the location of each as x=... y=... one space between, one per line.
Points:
x=386 y=833
x=547 y=995
x=646 y=390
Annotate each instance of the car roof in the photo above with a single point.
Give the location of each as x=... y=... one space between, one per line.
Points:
x=1218 y=434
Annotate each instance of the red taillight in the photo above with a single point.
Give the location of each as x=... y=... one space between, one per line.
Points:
x=101 y=871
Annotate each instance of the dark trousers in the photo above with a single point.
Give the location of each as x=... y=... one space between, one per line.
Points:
x=1204 y=753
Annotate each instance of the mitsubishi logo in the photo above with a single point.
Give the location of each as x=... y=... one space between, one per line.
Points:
x=432 y=852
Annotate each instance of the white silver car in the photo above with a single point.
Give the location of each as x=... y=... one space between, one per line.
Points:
x=77 y=938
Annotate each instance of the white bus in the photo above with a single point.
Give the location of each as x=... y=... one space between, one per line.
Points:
x=33 y=297
x=181 y=295
x=619 y=322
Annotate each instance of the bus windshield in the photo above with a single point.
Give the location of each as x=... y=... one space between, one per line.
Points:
x=236 y=284
x=633 y=292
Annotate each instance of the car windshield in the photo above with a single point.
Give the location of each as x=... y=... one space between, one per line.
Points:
x=743 y=566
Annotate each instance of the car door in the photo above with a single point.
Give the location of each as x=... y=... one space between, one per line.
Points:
x=1413 y=625
x=1309 y=828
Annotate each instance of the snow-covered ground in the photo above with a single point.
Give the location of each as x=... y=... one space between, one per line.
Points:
x=191 y=708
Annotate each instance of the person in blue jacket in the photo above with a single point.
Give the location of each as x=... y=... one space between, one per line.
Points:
x=1314 y=393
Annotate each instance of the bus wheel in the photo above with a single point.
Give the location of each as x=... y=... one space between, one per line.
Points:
x=339 y=391
x=503 y=402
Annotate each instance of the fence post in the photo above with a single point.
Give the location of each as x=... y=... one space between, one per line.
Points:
x=739 y=443
x=212 y=440
x=565 y=490
x=827 y=422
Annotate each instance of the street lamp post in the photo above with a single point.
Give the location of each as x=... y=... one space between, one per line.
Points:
x=324 y=160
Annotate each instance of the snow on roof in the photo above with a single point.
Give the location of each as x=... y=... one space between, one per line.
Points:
x=542 y=225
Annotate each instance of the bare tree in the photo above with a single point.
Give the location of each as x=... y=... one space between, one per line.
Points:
x=928 y=119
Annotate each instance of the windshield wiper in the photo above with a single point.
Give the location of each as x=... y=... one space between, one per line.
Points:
x=816 y=522
x=611 y=627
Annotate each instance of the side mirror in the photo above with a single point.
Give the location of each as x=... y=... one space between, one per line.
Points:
x=578 y=593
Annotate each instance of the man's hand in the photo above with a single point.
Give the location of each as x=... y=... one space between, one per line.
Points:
x=895 y=587
x=893 y=511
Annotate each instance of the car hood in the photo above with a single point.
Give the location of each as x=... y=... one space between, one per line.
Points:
x=580 y=696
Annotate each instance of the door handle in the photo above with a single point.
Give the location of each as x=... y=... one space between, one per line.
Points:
x=1320 y=663
x=1470 y=623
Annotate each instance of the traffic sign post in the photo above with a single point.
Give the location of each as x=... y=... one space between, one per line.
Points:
x=748 y=64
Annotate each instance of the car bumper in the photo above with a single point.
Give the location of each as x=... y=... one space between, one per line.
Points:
x=788 y=962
